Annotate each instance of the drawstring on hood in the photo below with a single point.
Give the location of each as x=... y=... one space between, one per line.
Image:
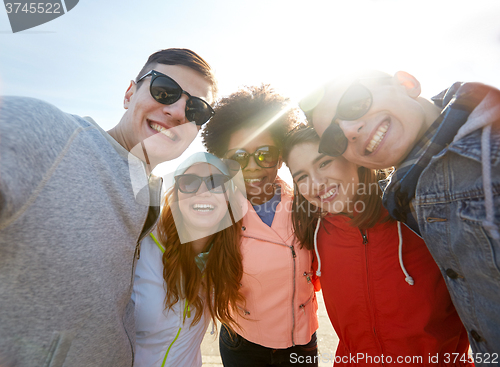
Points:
x=408 y=278
x=483 y=116
x=318 y=272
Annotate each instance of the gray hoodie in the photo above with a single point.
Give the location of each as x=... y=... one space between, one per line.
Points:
x=70 y=226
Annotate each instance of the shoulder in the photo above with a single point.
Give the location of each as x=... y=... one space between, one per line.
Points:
x=151 y=258
x=29 y=126
x=32 y=112
x=33 y=135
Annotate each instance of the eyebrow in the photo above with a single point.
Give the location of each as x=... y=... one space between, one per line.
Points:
x=315 y=160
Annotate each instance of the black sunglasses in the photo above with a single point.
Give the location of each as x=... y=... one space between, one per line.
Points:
x=354 y=103
x=167 y=91
x=266 y=157
x=190 y=184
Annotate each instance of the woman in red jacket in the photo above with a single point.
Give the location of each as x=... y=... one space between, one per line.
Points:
x=384 y=294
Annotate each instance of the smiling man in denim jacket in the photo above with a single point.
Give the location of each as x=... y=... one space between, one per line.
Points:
x=446 y=185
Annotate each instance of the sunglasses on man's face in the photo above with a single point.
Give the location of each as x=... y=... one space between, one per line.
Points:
x=167 y=91
x=265 y=157
x=190 y=184
x=354 y=104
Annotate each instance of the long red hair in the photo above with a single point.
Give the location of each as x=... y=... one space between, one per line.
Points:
x=217 y=287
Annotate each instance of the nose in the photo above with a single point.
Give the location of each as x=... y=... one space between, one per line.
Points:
x=352 y=129
x=177 y=110
x=203 y=190
x=252 y=165
x=318 y=182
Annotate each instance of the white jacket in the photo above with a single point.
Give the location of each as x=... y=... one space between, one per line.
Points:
x=161 y=333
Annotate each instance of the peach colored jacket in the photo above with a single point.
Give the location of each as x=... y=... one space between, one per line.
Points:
x=281 y=307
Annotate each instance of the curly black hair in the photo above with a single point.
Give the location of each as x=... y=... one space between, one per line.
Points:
x=250 y=107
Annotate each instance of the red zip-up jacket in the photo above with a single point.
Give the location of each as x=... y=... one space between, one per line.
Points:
x=374 y=311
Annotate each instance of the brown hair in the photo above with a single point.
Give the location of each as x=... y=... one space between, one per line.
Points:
x=305 y=214
x=219 y=283
x=181 y=56
x=249 y=107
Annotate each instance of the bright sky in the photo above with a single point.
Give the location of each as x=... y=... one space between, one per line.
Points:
x=83 y=61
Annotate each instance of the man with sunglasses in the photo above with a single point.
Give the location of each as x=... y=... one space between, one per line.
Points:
x=75 y=202
x=446 y=185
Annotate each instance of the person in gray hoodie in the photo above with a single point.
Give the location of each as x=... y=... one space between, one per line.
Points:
x=75 y=202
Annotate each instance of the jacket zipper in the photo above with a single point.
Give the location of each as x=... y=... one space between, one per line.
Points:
x=186 y=308
x=302 y=306
x=363 y=235
x=308 y=276
x=365 y=242
x=137 y=255
x=294 y=255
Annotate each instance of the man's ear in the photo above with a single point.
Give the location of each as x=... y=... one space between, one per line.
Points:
x=409 y=82
x=128 y=94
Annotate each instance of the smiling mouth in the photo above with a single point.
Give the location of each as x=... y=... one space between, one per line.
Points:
x=253 y=180
x=203 y=207
x=377 y=137
x=329 y=193
x=169 y=134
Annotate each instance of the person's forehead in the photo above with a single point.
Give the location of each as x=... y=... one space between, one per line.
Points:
x=203 y=169
x=189 y=79
x=250 y=139
x=325 y=110
x=302 y=156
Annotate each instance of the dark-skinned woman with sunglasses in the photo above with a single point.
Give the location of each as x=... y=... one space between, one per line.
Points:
x=277 y=321
x=190 y=267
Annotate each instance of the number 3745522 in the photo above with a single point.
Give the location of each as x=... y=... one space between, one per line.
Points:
x=47 y=8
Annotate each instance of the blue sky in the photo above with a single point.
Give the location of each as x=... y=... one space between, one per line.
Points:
x=83 y=61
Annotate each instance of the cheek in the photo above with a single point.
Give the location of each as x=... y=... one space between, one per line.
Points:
x=183 y=208
x=183 y=203
x=221 y=202
x=320 y=127
x=352 y=156
x=303 y=189
x=187 y=131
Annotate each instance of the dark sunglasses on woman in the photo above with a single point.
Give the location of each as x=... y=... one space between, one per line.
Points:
x=190 y=184
x=167 y=91
x=354 y=104
x=266 y=157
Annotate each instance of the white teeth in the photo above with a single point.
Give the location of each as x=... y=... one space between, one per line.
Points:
x=328 y=194
x=203 y=207
x=377 y=137
x=253 y=180
x=164 y=131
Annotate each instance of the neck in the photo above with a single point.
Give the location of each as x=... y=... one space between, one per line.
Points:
x=199 y=244
x=431 y=112
x=266 y=195
x=138 y=151
x=117 y=134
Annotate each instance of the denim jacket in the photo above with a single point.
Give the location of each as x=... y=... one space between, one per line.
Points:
x=450 y=206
